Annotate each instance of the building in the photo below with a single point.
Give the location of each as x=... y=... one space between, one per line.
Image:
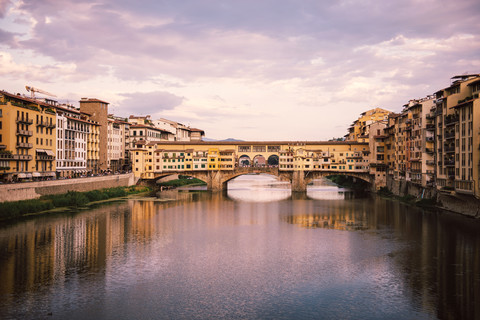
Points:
x=458 y=136
x=359 y=129
x=118 y=134
x=73 y=130
x=98 y=112
x=27 y=138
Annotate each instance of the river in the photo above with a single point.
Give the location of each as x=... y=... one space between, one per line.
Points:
x=253 y=252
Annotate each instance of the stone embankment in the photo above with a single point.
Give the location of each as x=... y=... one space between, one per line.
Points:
x=463 y=204
x=34 y=190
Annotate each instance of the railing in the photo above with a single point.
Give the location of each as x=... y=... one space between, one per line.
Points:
x=22 y=157
x=24 y=120
x=27 y=133
x=44 y=157
x=450 y=135
x=451 y=119
x=24 y=145
x=5 y=155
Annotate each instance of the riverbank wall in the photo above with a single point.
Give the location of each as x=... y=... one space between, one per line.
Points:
x=34 y=190
x=463 y=204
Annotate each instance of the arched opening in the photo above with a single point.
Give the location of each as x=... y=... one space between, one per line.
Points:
x=244 y=161
x=259 y=161
x=273 y=160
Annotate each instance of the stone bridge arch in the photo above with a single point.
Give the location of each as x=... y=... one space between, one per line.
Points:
x=217 y=180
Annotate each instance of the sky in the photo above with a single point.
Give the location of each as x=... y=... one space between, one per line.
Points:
x=250 y=69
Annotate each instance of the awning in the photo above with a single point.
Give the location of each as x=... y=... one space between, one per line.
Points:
x=21 y=176
x=28 y=175
x=50 y=152
x=36 y=174
x=40 y=151
x=51 y=174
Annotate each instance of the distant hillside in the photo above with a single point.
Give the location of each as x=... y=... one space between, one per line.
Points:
x=229 y=139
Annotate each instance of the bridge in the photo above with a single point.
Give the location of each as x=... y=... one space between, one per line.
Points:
x=216 y=163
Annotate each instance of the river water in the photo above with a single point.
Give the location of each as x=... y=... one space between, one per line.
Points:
x=253 y=252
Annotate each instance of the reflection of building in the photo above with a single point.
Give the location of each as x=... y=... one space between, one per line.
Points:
x=338 y=221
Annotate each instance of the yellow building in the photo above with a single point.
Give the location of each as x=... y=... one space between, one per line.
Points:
x=27 y=138
x=359 y=129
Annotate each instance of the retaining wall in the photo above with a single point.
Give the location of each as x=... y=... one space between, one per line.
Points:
x=34 y=190
x=463 y=204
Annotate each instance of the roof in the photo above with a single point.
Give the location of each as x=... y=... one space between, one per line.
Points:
x=87 y=100
x=67 y=109
x=197 y=130
x=140 y=126
x=250 y=143
x=24 y=98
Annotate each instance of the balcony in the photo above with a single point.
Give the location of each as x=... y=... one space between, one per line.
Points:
x=6 y=156
x=24 y=120
x=26 y=133
x=449 y=149
x=450 y=135
x=22 y=157
x=430 y=127
x=45 y=157
x=451 y=120
x=24 y=145
x=449 y=163
x=51 y=125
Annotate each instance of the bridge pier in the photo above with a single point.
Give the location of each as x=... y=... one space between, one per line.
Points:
x=298 y=181
x=215 y=181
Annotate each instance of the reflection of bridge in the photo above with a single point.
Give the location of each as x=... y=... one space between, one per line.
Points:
x=218 y=162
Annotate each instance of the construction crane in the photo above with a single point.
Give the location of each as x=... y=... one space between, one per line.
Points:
x=32 y=91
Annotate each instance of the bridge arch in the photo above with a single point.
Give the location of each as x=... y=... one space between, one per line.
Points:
x=217 y=180
x=244 y=161
x=273 y=160
x=259 y=161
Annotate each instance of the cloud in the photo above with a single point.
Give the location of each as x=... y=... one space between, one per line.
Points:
x=3 y=7
x=219 y=65
x=151 y=103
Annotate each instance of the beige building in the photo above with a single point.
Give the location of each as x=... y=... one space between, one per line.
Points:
x=117 y=135
x=73 y=130
x=458 y=135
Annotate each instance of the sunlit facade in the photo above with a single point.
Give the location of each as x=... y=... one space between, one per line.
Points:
x=27 y=138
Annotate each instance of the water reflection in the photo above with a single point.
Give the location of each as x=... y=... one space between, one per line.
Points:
x=204 y=255
x=258 y=188
x=327 y=190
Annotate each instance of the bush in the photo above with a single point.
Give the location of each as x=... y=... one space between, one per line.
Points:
x=9 y=210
